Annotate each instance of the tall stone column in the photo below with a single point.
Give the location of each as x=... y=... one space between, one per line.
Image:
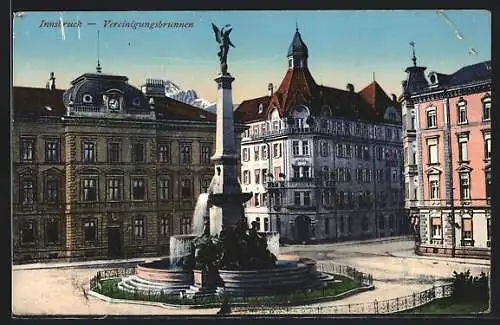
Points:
x=225 y=191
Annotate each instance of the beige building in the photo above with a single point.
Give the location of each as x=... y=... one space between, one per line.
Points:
x=104 y=170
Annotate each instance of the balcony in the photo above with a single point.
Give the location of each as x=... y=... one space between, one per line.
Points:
x=302 y=179
x=467 y=242
x=302 y=207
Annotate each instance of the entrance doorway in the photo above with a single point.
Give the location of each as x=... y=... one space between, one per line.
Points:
x=114 y=242
x=303 y=224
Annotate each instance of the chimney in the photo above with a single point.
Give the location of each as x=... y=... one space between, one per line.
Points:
x=350 y=88
x=52 y=82
x=270 y=89
x=394 y=98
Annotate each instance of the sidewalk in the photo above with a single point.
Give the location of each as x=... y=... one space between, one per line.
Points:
x=412 y=255
x=80 y=264
x=346 y=243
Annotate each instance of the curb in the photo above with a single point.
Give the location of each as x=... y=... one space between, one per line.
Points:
x=243 y=306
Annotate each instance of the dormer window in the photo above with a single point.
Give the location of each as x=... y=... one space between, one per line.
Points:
x=136 y=101
x=290 y=63
x=261 y=108
x=87 y=99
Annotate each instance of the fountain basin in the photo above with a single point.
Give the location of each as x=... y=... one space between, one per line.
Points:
x=222 y=199
x=286 y=277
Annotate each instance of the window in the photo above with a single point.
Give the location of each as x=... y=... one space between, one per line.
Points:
x=364 y=223
x=27 y=150
x=264 y=175
x=436 y=227
x=488 y=183
x=186 y=189
x=305 y=148
x=88 y=152
x=467 y=229
x=462 y=112
x=487 y=145
x=349 y=224
x=278 y=224
x=164 y=153
x=276 y=125
x=113 y=152
x=488 y=229
x=138 y=189
x=277 y=172
x=52 y=231
x=257 y=176
x=138 y=152
x=277 y=150
x=164 y=226
x=327 y=226
x=90 y=231
x=295 y=148
x=464 y=186
x=434 y=187
x=326 y=198
x=296 y=198
x=206 y=150
x=246 y=177
x=52 y=151
x=257 y=220
x=246 y=154
x=487 y=109
x=28 y=232
x=380 y=153
x=348 y=151
x=27 y=194
x=431 y=118
x=412 y=122
x=256 y=199
x=139 y=228
x=341 y=224
x=256 y=153
x=391 y=221
x=264 y=152
x=381 y=222
x=462 y=147
x=205 y=184
x=87 y=98
x=324 y=149
x=266 y=224
x=51 y=194
x=296 y=172
x=394 y=175
x=89 y=189
x=185 y=153
x=305 y=172
x=164 y=189
x=307 y=198
x=432 y=151
x=114 y=189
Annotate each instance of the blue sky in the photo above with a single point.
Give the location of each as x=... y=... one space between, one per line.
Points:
x=344 y=47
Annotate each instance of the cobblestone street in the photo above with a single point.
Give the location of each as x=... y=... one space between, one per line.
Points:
x=396 y=271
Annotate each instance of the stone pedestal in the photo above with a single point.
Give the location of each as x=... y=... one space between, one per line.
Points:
x=225 y=194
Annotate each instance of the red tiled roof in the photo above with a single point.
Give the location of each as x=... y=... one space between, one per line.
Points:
x=33 y=102
x=376 y=97
x=296 y=88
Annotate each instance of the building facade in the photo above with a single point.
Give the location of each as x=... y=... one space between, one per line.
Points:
x=324 y=164
x=104 y=170
x=447 y=145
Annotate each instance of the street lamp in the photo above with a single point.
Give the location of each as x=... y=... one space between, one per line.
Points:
x=454 y=227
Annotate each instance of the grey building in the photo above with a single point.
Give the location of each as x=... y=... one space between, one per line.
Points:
x=324 y=164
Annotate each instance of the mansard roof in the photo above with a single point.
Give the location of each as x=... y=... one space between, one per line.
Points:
x=42 y=102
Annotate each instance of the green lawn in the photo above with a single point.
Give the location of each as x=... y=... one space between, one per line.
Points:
x=450 y=306
x=109 y=287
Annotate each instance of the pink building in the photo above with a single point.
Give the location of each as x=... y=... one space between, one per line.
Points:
x=447 y=149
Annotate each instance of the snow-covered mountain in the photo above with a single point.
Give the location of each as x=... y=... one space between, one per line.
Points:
x=187 y=96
